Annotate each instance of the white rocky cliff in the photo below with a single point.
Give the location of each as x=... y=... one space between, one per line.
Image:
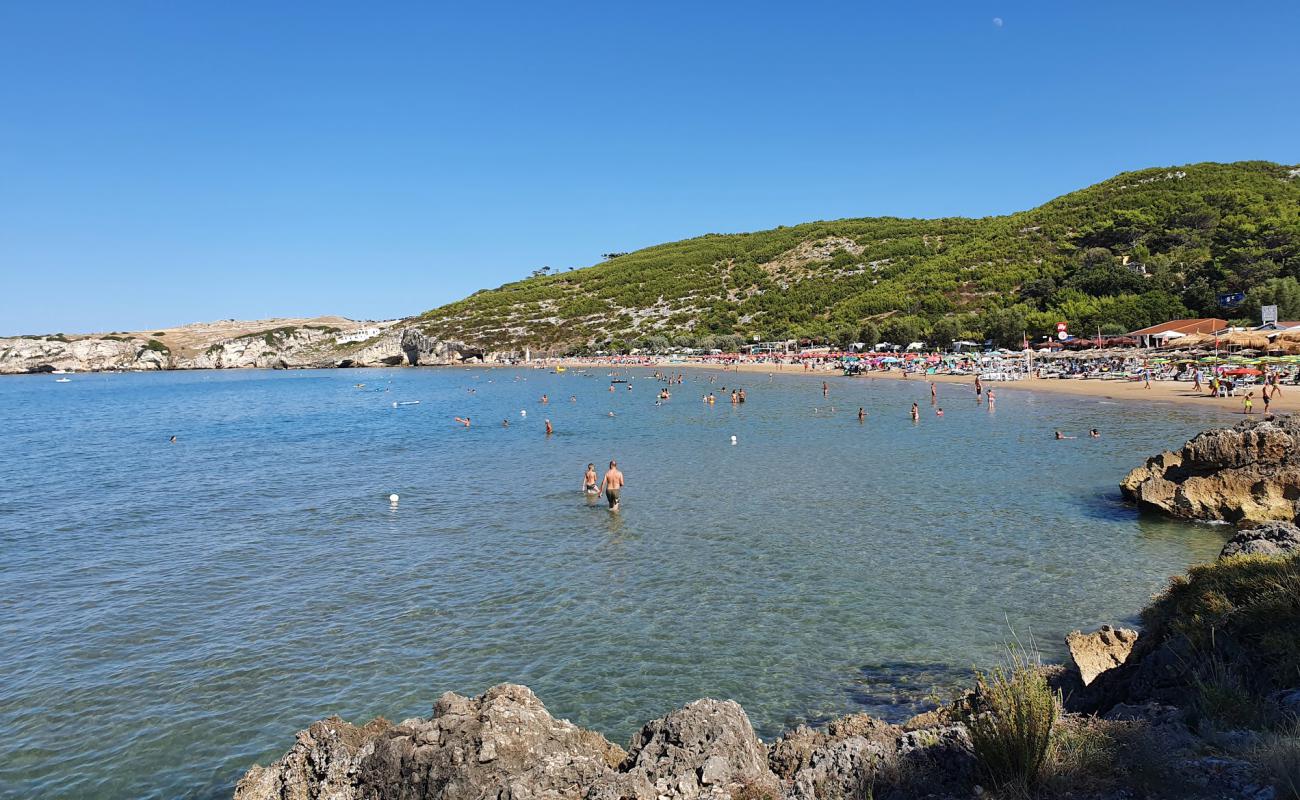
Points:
x=320 y=342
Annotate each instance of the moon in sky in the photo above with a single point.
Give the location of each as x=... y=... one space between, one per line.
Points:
x=997 y=22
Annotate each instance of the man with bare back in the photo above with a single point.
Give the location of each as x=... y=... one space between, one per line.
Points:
x=612 y=484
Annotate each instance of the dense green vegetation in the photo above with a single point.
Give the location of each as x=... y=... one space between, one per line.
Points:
x=1242 y=615
x=1137 y=249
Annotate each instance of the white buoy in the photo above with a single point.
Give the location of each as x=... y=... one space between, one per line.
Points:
x=392 y=498
x=394 y=405
x=733 y=439
x=523 y=413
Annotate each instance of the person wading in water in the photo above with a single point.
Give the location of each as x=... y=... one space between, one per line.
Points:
x=612 y=484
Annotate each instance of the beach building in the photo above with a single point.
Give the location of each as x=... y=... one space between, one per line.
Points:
x=358 y=335
x=1156 y=335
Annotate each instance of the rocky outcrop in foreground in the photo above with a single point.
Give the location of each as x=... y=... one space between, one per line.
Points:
x=505 y=744
x=1244 y=474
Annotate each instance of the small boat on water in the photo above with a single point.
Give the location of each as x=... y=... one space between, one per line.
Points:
x=406 y=403
x=559 y=370
x=64 y=380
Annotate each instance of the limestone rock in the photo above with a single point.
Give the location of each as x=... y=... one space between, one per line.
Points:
x=944 y=756
x=846 y=768
x=1104 y=649
x=322 y=764
x=267 y=344
x=1269 y=539
x=503 y=743
x=706 y=748
x=795 y=750
x=1247 y=473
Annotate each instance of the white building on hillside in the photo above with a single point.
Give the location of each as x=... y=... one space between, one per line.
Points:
x=358 y=335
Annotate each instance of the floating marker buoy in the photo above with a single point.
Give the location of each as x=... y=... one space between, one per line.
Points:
x=394 y=405
x=392 y=498
x=733 y=439
x=523 y=413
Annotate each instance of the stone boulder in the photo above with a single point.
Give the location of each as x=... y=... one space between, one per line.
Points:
x=1099 y=651
x=706 y=749
x=1247 y=473
x=322 y=764
x=846 y=768
x=1268 y=539
x=502 y=744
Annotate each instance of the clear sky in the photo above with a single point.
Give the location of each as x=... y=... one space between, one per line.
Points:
x=169 y=162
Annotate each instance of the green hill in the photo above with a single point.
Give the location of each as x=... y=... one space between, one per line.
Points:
x=1137 y=249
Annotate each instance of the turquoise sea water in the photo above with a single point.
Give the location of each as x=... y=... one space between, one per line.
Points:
x=173 y=613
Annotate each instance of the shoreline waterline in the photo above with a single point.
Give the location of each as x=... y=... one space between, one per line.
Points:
x=1119 y=391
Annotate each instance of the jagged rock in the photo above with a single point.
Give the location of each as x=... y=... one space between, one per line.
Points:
x=846 y=768
x=795 y=750
x=1269 y=539
x=501 y=744
x=792 y=751
x=1104 y=649
x=707 y=748
x=322 y=764
x=944 y=756
x=1249 y=472
x=621 y=786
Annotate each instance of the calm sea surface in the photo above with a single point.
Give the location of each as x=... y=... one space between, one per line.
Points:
x=172 y=614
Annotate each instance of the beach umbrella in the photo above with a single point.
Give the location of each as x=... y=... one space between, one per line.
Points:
x=1242 y=371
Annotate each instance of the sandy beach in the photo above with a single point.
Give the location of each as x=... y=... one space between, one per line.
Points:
x=1114 y=390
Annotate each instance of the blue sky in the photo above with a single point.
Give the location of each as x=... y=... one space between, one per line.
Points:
x=170 y=162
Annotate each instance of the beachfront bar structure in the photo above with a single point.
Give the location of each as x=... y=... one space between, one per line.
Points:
x=1165 y=332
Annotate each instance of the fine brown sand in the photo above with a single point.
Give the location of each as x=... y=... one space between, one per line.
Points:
x=1116 y=390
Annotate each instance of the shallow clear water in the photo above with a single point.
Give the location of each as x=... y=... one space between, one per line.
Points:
x=173 y=613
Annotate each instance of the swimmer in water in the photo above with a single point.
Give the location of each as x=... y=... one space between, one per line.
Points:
x=172 y=440
x=589 y=481
x=1060 y=436
x=463 y=421
x=862 y=414
x=916 y=412
x=545 y=399
x=549 y=429
x=938 y=412
x=505 y=423
x=1094 y=434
